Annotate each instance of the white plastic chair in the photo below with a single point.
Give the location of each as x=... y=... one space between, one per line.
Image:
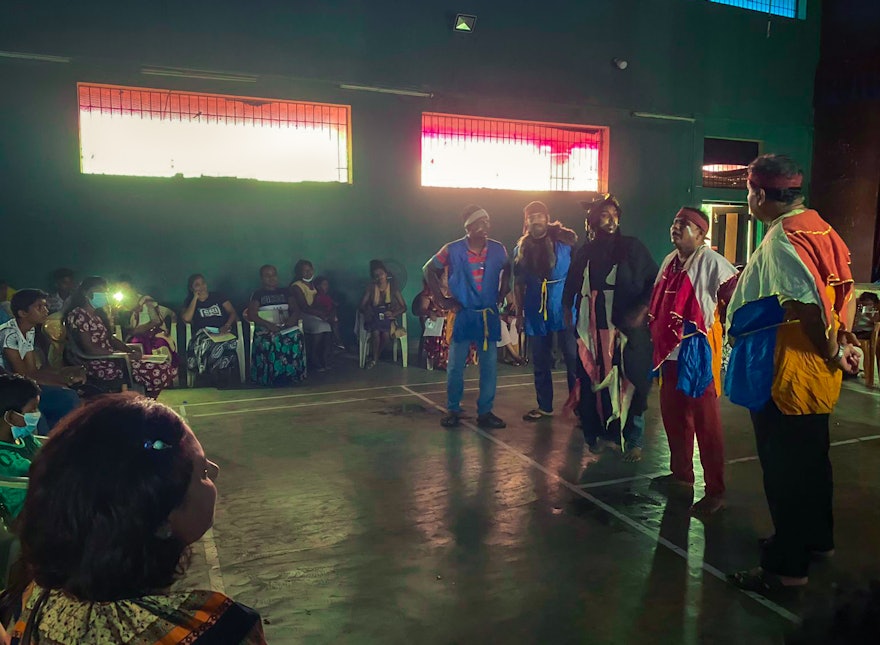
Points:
x=363 y=337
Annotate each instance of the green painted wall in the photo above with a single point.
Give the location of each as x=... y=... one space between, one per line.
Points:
x=686 y=57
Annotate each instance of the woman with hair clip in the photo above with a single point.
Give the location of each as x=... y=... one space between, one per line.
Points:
x=115 y=500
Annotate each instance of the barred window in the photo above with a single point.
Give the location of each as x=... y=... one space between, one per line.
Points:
x=784 y=8
x=473 y=152
x=166 y=133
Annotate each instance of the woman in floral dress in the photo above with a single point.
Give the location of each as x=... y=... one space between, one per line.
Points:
x=89 y=327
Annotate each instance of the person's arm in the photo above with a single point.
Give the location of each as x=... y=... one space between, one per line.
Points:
x=810 y=318
x=302 y=306
x=27 y=366
x=398 y=305
x=190 y=310
x=504 y=287
x=433 y=272
x=233 y=317
x=254 y=315
x=725 y=293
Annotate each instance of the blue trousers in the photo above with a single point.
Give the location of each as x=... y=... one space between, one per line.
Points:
x=542 y=362
x=458 y=352
x=55 y=402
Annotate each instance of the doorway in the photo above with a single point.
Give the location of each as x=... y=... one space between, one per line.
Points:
x=732 y=231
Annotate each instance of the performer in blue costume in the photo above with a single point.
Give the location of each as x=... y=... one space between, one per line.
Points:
x=540 y=265
x=479 y=280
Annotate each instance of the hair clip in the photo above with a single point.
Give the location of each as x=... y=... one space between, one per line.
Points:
x=158 y=444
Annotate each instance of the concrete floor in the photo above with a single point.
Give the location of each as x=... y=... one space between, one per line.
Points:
x=346 y=514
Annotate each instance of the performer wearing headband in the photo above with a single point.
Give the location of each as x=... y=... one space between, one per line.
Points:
x=609 y=284
x=687 y=307
x=790 y=348
x=540 y=265
x=479 y=279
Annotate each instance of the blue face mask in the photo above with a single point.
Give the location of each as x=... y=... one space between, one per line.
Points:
x=31 y=419
x=98 y=299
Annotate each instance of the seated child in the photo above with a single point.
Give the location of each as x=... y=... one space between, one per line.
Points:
x=19 y=416
x=510 y=337
x=324 y=301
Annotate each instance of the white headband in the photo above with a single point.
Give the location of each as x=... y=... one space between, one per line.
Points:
x=479 y=214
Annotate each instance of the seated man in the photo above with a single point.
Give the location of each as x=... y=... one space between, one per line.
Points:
x=18 y=355
x=867 y=315
x=19 y=400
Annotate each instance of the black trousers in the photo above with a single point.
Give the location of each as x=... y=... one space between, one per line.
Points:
x=793 y=450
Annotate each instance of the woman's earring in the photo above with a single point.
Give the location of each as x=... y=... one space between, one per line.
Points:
x=164 y=532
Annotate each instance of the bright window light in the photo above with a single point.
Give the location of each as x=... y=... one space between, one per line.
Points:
x=164 y=133
x=472 y=152
x=785 y=8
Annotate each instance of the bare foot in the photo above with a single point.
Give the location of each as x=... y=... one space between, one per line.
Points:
x=709 y=505
x=633 y=455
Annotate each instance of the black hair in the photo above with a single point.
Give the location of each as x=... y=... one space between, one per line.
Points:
x=193 y=278
x=603 y=200
x=100 y=490
x=870 y=295
x=16 y=391
x=320 y=279
x=299 y=266
x=59 y=274
x=24 y=298
x=773 y=165
x=377 y=264
x=265 y=268
x=78 y=298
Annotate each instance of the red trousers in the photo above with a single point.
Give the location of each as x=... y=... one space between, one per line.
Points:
x=684 y=417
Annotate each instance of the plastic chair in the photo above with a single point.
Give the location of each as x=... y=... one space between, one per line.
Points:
x=74 y=355
x=363 y=337
x=872 y=355
x=246 y=320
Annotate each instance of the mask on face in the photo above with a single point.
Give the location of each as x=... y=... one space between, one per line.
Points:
x=31 y=419
x=98 y=299
x=307 y=280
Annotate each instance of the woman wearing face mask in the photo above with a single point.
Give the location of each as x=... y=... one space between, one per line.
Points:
x=316 y=323
x=19 y=416
x=88 y=326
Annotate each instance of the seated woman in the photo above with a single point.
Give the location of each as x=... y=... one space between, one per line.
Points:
x=19 y=346
x=88 y=326
x=115 y=500
x=277 y=352
x=435 y=343
x=316 y=320
x=143 y=322
x=867 y=315
x=19 y=416
x=211 y=316
x=381 y=305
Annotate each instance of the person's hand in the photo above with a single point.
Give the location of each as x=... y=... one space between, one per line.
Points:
x=849 y=362
x=136 y=353
x=636 y=318
x=225 y=329
x=520 y=314
x=75 y=375
x=451 y=304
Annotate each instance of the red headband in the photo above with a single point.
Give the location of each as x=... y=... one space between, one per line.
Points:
x=691 y=217
x=778 y=182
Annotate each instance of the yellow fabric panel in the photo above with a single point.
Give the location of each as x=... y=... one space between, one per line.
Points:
x=715 y=337
x=307 y=290
x=803 y=382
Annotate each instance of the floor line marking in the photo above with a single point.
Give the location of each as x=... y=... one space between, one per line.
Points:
x=349 y=391
x=740 y=460
x=212 y=555
x=294 y=406
x=644 y=530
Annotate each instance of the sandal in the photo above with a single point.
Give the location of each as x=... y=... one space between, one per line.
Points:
x=451 y=420
x=761 y=582
x=536 y=415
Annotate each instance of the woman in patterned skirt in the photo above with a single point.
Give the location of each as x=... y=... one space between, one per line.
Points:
x=212 y=352
x=278 y=351
x=89 y=327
